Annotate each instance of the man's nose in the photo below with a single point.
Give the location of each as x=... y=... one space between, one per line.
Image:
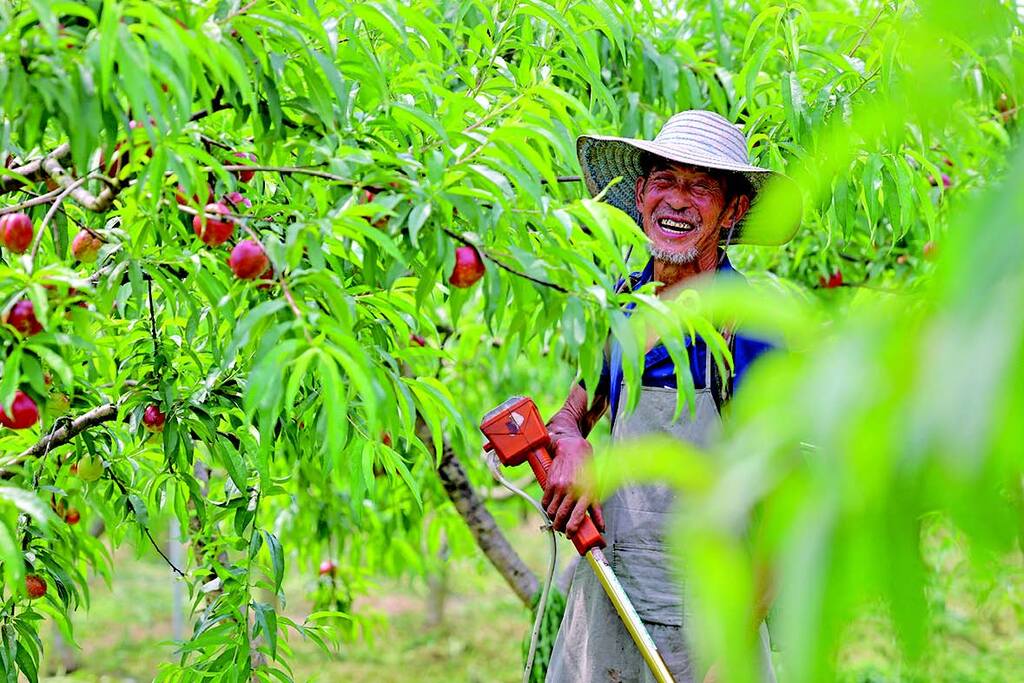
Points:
x=679 y=200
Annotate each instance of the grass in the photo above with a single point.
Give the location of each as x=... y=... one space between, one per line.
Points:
x=979 y=637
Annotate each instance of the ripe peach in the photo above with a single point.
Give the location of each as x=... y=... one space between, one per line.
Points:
x=215 y=232
x=248 y=260
x=16 y=232
x=469 y=267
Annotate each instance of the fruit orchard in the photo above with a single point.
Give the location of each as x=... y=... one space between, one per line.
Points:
x=264 y=265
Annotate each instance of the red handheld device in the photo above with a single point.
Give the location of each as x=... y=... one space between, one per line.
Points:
x=517 y=433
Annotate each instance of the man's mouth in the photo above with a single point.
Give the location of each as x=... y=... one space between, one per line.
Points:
x=674 y=226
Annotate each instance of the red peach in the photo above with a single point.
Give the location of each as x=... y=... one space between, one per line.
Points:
x=24 y=412
x=248 y=260
x=469 y=267
x=216 y=232
x=22 y=317
x=16 y=232
x=35 y=586
x=247 y=175
x=153 y=419
x=86 y=246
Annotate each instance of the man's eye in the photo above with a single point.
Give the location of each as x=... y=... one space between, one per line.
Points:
x=701 y=189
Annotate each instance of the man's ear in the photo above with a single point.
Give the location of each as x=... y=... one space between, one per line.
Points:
x=736 y=210
x=638 y=193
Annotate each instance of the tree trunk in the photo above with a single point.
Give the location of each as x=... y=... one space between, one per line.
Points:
x=67 y=663
x=437 y=587
x=484 y=529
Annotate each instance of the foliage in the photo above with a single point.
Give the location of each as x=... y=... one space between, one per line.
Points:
x=304 y=419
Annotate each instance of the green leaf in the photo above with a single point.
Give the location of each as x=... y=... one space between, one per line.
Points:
x=417 y=217
x=276 y=559
x=266 y=621
x=27 y=502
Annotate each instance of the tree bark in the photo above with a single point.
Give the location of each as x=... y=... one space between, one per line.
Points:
x=33 y=170
x=484 y=529
x=437 y=587
x=64 y=434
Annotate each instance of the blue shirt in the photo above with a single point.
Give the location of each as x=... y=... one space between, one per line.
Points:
x=659 y=369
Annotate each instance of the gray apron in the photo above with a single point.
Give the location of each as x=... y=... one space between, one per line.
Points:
x=592 y=645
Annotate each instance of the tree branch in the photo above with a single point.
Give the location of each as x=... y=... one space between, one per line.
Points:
x=152 y=326
x=286 y=170
x=69 y=189
x=504 y=266
x=864 y=34
x=33 y=170
x=62 y=435
x=98 y=203
x=145 y=529
x=240 y=11
x=864 y=81
x=34 y=201
x=215 y=143
x=216 y=105
x=564 y=179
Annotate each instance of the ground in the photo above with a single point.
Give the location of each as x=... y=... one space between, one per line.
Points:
x=125 y=636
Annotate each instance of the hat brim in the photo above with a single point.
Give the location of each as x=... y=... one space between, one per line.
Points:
x=605 y=158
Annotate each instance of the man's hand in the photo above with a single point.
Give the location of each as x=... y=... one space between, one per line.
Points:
x=565 y=508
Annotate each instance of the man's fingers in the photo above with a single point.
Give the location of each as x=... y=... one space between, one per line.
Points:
x=562 y=516
x=597 y=515
x=577 y=516
x=552 y=492
x=555 y=501
x=549 y=492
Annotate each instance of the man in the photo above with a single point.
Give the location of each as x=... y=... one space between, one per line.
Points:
x=690 y=190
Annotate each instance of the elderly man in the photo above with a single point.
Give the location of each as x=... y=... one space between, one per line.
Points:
x=689 y=189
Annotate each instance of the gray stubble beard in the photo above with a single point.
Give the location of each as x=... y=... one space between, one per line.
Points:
x=675 y=258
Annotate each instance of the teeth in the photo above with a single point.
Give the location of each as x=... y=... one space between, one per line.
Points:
x=675 y=225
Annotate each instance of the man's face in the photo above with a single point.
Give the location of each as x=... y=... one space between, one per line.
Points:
x=684 y=210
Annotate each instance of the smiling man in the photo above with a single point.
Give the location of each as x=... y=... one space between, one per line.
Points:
x=690 y=190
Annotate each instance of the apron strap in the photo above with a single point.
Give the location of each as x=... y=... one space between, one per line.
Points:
x=708 y=376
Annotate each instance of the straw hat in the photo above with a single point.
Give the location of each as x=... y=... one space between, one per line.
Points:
x=699 y=138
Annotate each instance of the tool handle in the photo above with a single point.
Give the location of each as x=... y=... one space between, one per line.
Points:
x=588 y=536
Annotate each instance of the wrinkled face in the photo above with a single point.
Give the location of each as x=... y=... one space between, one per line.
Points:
x=684 y=210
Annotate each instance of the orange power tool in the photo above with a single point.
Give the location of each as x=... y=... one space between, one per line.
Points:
x=517 y=434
